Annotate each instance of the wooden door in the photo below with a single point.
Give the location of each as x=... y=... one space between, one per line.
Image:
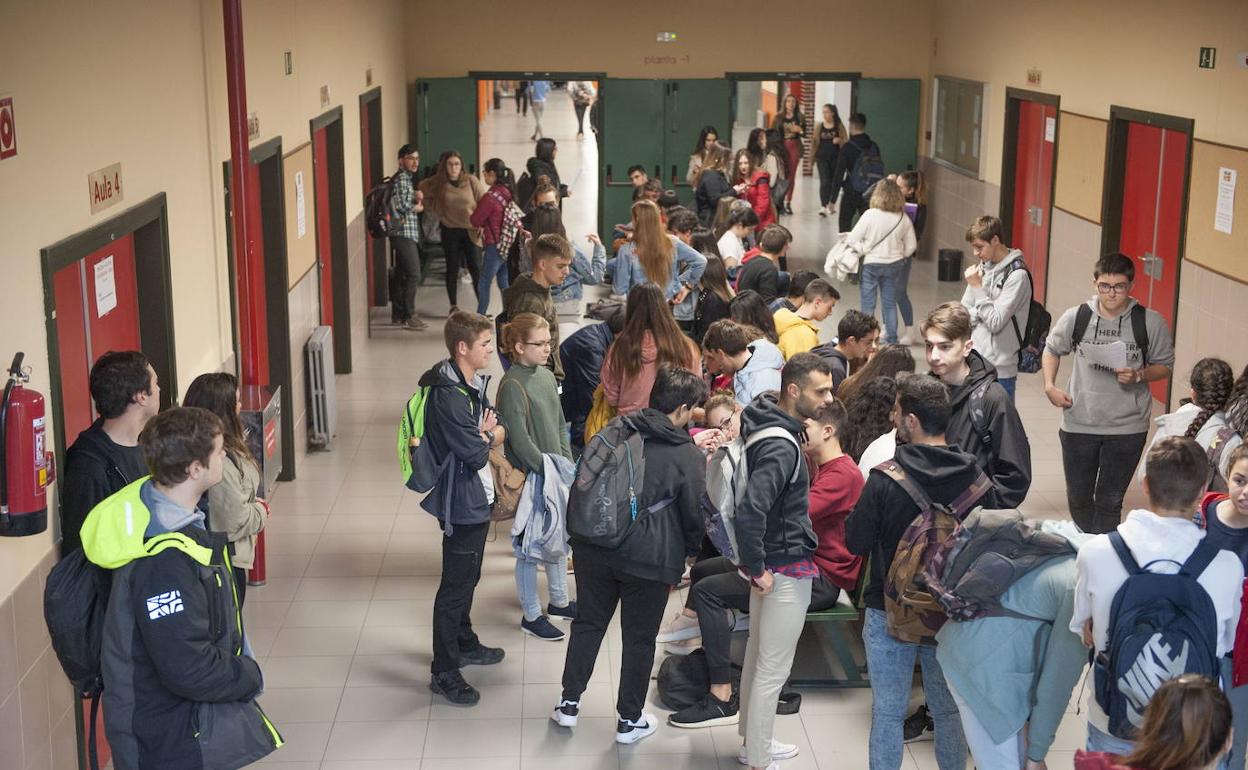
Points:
x=1033 y=187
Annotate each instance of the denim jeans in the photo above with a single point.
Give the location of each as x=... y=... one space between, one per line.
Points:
x=891 y=663
x=1098 y=470
x=1009 y=383
x=526 y=585
x=407 y=269
x=494 y=266
x=1099 y=740
x=903 y=295
x=1234 y=759
x=885 y=278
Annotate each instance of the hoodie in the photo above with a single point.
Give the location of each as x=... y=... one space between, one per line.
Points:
x=1101 y=404
x=797 y=334
x=845 y=161
x=179 y=690
x=1176 y=424
x=95 y=467
x=585 y=352
x=453 y=414
x=1003 y=299
x=833 y=492
x=997 y=438
x=526 y=295
x=761 y=372
x=772 y=522
x=885 y=510
x=658 y=543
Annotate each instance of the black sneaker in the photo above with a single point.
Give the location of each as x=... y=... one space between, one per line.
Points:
x=919 y=726
x=567 y=613
x=451 y=685
x=542 y=629
x=708 y=712
x=481 y=656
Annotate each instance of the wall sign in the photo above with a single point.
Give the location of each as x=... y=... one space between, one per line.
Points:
x=1224 y=213
x=325 y=96
x=105 y=287
x=1208 y=58
x=8 y=129
x=301 y=207
x=104 y=187
x=1033 y=77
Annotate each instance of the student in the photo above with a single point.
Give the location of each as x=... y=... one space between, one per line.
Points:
x=852 y=202
x=1187 y=726
x=985 y=422
x=748 y=308
x=681 y=223
x=799 y=331
x=857 y=335
x=583 y=354
x=914 y=191
x=711 y=183
x=548 y=218
x=552 y=260
x=542 y=164
x=537 y=95
x=830 y=134
x=1106 y=412
x=884 y=236
x=753 y=362
x=528 y=406
x=637 y=176
x=233 y=506
x=451 y=195
x=741 y=223
x=657 y=257
x=106 y=456
x=522 y=96
x=1161 y=539
x=488 y=217
x=762 y=274
x=638 y=575
x=708 y=138
x=870 y=437
x=753 y=184
x=174 y=657
x=791 y=125
x=649 y=340
x=758 y=144
x=1204 y=418
x=714 y=297
x=796 y=293
x=406 y=203
x=583 y=95
x=461 y=428
x=887 y=361
x=998 y=297
x=874 y=529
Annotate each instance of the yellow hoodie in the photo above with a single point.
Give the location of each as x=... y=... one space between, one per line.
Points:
x=797 y=335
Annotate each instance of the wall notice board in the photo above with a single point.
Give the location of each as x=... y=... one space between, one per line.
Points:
x=300 y=213
x=1218 y=251
x=1080 y=165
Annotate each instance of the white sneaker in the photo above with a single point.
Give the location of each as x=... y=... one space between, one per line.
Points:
x=907 y=336
x=566 y=714
x=683 y=648
x=631 y=732
x=678 y=629
x=778 y=751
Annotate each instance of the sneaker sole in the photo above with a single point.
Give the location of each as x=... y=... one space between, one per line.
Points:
x=538 y=636
x=716 y=722
x=562 y=719
x=683 y=635
x=439 y=691
x=743 y=760
x=927 y=735
x=633 y=736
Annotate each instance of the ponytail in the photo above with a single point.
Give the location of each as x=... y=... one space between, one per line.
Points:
x=1212 y=385
x=1186 y=726
x=502 y=174
x=519 y=328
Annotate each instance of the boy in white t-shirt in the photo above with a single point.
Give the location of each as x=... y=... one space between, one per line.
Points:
x=1160 y=539
x=741 y=222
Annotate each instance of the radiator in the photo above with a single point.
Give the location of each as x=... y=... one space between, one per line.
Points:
x=322 y=401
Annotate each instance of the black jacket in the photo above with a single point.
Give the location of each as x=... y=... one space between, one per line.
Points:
x=761 y=275
x=452 y=419
x=712 y=186
x=95 y=468
x=711 y=308
x=845 y=163
x=884 y=510
x=657 y=544
x=538 y=168
x=773 y=518
x=583 y=355
x=837 y=360
x=1003 y=451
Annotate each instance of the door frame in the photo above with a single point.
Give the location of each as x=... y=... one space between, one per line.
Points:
x=1009 y=160
x=378 y=289
x=331 y=121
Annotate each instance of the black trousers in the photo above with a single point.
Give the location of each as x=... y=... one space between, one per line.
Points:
x=599 y=589
x=460 y=252
x=825 y=167
x=407 y=277
x=852 y=204
x=522 y=100
x=715 y=590
x=1098 y=471
x=240 y=583
x=580 y=116
x=461 y=569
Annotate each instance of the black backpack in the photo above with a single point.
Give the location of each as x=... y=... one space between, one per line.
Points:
x=683 y=680
x=868 y=169
x=1139 y=327
x=378 y=215
x=525 y=187
x=604 y=500
x=1031 y=339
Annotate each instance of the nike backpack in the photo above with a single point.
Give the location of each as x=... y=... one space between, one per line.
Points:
x=726 y=475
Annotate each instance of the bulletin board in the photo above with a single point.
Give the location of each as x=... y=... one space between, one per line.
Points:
x=300 y=213
x=1222 y=253
x=1080 y=165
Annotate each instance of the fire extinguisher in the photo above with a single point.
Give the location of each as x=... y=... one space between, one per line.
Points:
x=26 y=466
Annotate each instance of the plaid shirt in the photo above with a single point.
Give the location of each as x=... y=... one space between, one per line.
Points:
x=405 y=222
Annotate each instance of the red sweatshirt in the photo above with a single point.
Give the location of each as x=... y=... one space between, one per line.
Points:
x=834 y=492
x=1096 y=760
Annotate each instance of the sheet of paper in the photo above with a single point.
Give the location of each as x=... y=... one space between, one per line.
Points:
x=1224 y=215
x=1110 y=354
x=1050 y=129
x=105 y=287
x=301 y=207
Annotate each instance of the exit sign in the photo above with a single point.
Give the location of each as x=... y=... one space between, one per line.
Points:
x=1208 y=57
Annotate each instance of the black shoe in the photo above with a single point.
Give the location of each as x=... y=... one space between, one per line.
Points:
x=451 y=685
x=568 y=612
x=481 y=656
x=919 y=726
x=708 y=712
x=542 y=629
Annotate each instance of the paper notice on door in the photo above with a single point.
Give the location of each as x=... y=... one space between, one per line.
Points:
x=1111 y=355
x=301 y=214
x=105 y=287
x=1224 y=214
x=1050 y=130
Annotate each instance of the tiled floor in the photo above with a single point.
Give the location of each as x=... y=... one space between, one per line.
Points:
x=343 y=625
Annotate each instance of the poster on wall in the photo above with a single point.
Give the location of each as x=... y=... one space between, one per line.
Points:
x=1224 y=213
x=301 y=209
x=105 y=287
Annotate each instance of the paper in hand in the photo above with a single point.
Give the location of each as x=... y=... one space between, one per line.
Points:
x=1111 y=355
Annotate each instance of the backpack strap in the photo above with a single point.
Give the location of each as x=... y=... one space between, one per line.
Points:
x=964 y=502
x=781 y=433
x=1139 y=328
x=895 y=472
x=1217 y=447
x=1201 y=558
x=1019 y=264
x=1124 y=553
x=1083 y=317
x=979 y=418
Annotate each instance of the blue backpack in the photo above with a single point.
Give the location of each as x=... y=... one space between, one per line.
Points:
x=868 y=169
x=1161 y=626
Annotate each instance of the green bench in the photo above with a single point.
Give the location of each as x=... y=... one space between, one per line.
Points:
x=832 y=629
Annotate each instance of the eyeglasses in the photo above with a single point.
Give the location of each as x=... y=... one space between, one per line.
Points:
x=1113 y=288
x=724 y=423
x=542 y=344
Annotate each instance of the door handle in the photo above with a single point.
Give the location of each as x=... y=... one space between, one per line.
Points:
x=608 y=173
x=673 y=175
x=658 y=174
x=1152 y=265
x=1036 y=215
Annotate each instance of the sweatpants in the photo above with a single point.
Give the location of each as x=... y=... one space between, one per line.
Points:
x=461 y=569
x=1098 y=471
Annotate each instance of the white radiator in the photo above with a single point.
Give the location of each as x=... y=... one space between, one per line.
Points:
x=322 y=401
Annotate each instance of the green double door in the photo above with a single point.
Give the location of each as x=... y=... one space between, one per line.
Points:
x=892 y=109
x=654 y=124
x=445 y=112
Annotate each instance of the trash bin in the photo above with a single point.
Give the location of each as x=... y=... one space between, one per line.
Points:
x=949 y=265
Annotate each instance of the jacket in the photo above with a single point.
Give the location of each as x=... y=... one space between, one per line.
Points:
x=761 y=372
x=95 y=467
x=1176 y=424
x=797 y=334
x=526 y=295
x=885 y=509
x=584 y=351
x=489 y=214
x=845 y=161
x=457 y=202
x=687 y=268
x=997 y=438
x=583 y=271
x=634 y=395
x=758 y=194
x=540 y=529
x=406 y=221
x=538 y=168
x=234 y=510
x=833 y=492
x=528 y=406
x=772 y=524
x=710 y=308
x=658 y=543
x=179 y=689
x=712 y=186
x=882 y=237
x=453 y=414
x=760 y=274
x=1003 y=299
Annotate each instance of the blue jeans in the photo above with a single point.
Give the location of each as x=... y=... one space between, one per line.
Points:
x=903 y=296
x=1103 y=741
x=891 y=663
x=1234 y=759
x=886 y=279
x=526 y=585
x=494 y=265
x=1009 y=383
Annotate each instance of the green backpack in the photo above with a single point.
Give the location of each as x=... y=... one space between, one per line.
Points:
x=420 y=468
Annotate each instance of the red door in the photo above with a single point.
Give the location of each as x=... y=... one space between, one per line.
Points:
x=1152 y=210
x=1033 y=188
x=324 y=245
x=252 y=302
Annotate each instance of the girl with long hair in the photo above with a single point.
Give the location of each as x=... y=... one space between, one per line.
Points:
x=489 y=216
x=830 y=134
x=751 y=309
x=233 y=507
x=888 y=361
x=711 y=181
x=1203 y=418
x=547 y=218
x=791 y=125
x=650 y=339
x=543 y=164
x=914 y=192
x=759 y=146
x=714 y=296
x=884 y=235
x=753 y=184
x=707 y=138
x=870 y=417
x=655 y=256
x=452 y=195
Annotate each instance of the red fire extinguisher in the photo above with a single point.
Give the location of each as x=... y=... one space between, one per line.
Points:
x=26 y=465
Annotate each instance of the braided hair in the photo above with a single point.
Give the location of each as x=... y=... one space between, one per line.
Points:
x=1212 y=385
x=1237 y=404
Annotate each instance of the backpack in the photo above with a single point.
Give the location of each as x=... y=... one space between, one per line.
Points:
x=1160 y=626
x=510 y=228
x=868 y=169
x=378 y=214
x=421 y=470
x=683 y=680
x=508 y=479
x=979 y=415
x=986 y=554
x=603 y=501
x=727 y=473
x=1139 y=327
x=914 y=614
x=1217 y=448
x=1031 y=339
x=525 y=187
